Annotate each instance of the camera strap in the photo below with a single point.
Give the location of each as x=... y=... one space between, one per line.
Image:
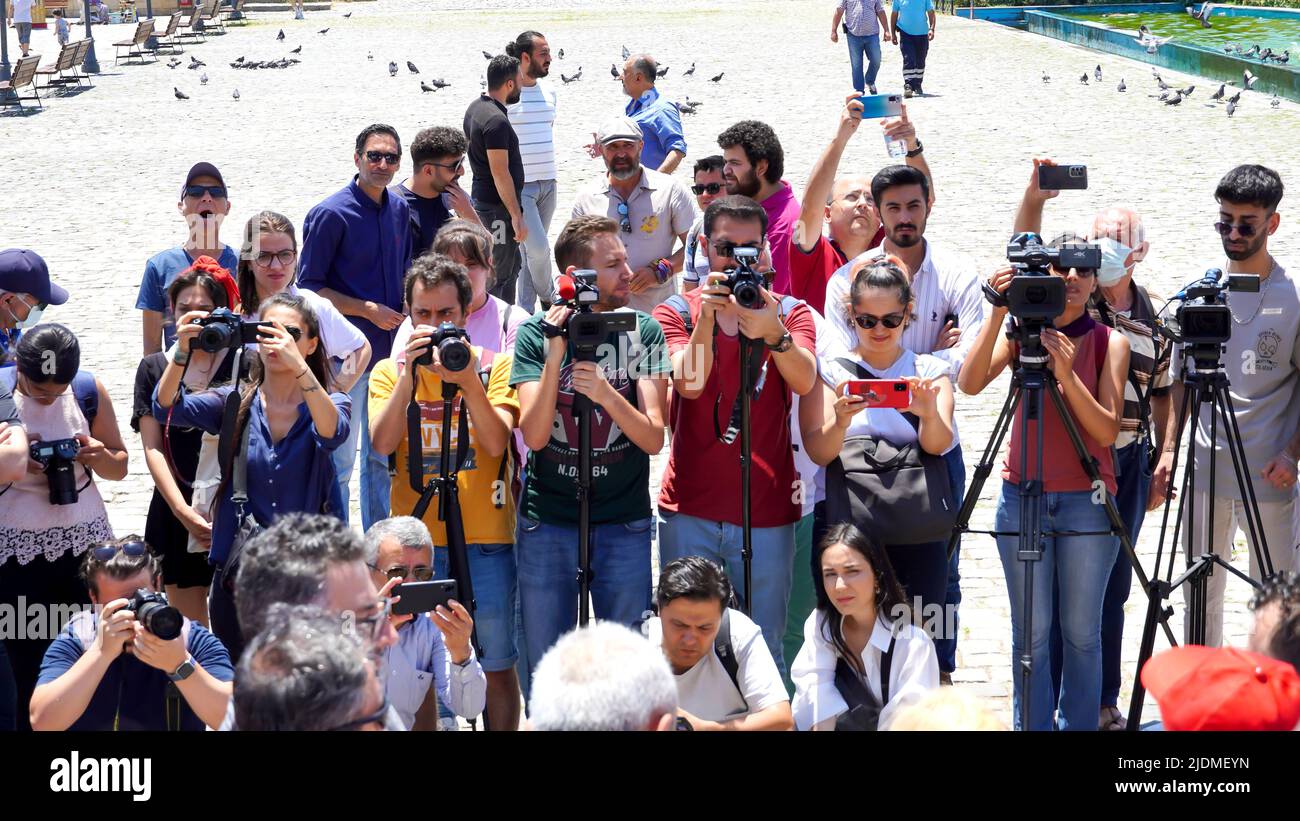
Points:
x=757 y=370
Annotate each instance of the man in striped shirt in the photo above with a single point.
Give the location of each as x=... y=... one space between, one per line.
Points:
x=533 y=119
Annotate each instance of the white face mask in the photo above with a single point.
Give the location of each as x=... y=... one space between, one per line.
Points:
x=1114 y=261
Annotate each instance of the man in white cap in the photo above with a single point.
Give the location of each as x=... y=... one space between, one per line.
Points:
x=653 y=212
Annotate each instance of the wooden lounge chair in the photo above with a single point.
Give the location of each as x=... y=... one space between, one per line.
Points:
x=24 y=76
x=192 y=29
x=60 y=72
x=166 y=39
x=135 y=47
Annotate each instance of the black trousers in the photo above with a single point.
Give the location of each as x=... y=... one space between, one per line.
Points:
x=914 y=48
x=506 y=258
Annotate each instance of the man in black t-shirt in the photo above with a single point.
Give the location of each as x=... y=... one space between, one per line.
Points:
x=433 y=190
x=498 y=171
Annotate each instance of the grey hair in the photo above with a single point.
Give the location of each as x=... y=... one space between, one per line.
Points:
x=646 y=66
x=302 y=672
x=407 y=531
x=602 y=677
x=287 y=563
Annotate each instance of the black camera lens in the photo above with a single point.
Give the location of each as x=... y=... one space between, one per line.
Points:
x=215 y=337
x=747 y=295
x=154 y=612
x=58 y=458
x=454 y=354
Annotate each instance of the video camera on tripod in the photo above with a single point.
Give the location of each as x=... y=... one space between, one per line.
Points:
x=1203 y=321
x=586 y=328
x=1035 y=296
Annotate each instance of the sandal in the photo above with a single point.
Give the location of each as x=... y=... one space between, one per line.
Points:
x=1111 y=719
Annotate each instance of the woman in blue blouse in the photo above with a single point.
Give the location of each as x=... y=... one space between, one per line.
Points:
x=293 y=422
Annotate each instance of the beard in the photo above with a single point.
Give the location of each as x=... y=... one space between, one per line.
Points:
x=514 y=96
x=537 y=71
x=625 y=170
x=907 y=241
x=745 y=186
x=1249 y=251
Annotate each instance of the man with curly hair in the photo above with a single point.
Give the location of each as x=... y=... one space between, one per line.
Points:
x=753 y=162
x=433 y=190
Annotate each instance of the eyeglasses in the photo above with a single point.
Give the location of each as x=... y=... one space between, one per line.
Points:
x=711 y=187
x=1245 y=229
x=421 y=572
x=218 y=192
x=377 y=716
x=624 y=222
x=1082 y=273
x=456 y=166
x=293 y=331
x=371 y=626
x=728 y=249
x=383 y=156
x=285 y=257
x=866 y=321
x=107 y=550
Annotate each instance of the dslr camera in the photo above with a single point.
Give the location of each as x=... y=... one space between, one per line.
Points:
x=157 y=615
x=453 y=348
x=585 y=328
x=743 y=281
x=1203 y=321
x=58 y=458
x=223 y=330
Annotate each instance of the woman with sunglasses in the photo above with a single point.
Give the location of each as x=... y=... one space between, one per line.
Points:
x=880 y=308
x=52 y=515
x=293 y=424
x=1089 y=364
x=180 y=461
x=268 y=265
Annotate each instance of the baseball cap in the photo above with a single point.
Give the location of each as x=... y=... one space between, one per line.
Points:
x=202 y=169
x=24 y=272
x=619 y=128
x=1223 y=688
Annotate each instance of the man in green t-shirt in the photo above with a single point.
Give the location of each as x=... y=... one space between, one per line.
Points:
x=627 y=385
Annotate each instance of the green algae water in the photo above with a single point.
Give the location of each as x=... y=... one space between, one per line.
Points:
x=1279 y=34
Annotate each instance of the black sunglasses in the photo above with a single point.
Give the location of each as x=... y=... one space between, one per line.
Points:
x=376 y=156
x=377 y=716
x=711 y=187
x=218 y=192
x=866 y=321
x=624 y=222
x=453 y=166
x=293 y=331
x=728 y=249
x=107 y=550
x=1245 y=229
x=421 y=572
x=1082 y=273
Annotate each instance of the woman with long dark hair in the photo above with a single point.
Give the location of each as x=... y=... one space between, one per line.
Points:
x=293 y=422
x=862 y=617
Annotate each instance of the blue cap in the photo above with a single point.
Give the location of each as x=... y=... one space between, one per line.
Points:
x=24 y=272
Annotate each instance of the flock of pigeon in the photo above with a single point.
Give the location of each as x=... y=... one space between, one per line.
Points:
x=1175 y=96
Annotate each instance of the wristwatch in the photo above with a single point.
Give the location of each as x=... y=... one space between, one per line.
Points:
x=785 y=343
x=184 y=671
x=916 y=151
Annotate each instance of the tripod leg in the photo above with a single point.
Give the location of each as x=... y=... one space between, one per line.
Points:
x=1155 y=601
x=1245 y=484
x=1031 y=511
x=985 y=466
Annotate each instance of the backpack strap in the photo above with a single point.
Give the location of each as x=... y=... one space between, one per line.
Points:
x=679 y=304
x=727 y=654
x=84 y=389
x=886 y=662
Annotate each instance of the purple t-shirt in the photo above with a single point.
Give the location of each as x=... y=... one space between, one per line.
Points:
x=782 y=215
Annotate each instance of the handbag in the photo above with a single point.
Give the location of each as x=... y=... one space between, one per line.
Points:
x=897 y=493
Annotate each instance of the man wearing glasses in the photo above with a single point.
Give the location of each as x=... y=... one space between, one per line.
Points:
x=107 y=670
x=433 y=190
x=204 y=204
x=1261 y=357
x=432 y=648
x=653 y=212
x=356 y=248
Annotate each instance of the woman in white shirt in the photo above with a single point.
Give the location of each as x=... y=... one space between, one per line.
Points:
x=861 y=617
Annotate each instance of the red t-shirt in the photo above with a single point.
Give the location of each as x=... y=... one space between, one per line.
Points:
x=703 y=475
x=810 y=272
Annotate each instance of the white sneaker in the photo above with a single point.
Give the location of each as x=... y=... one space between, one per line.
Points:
x=449 y=724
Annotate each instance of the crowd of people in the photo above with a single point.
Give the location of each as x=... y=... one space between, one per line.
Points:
x=416 y=316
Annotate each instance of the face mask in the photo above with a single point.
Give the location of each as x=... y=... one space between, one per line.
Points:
x=33 y=315
x=1114 y=259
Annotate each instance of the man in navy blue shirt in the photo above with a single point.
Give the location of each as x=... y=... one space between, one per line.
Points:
x=433 y=190
x=356 y=247
x=107 y=671
x=204 y=204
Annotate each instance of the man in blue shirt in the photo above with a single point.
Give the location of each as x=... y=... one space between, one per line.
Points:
x=204 y=204
x=664 y=144
x=356 y=247
x=913 y=22
x=109 y=671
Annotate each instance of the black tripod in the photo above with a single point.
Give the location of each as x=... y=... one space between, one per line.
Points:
x=1206 y=385
x=447 y=488
x=582 y=410
x=1029 y=382
x=746 y=465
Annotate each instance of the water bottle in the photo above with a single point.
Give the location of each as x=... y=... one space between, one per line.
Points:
x=897 y=148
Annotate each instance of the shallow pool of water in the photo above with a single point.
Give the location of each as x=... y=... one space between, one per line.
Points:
x=1278 y=34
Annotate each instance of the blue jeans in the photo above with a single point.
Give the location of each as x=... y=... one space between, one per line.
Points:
x=1084 y=564
x=946 y=645
x=772 y=565
x=535 y=280
x=1133 y=480
x=868 y=44
x=547 y=556
x=374 y=468
x=492 y=570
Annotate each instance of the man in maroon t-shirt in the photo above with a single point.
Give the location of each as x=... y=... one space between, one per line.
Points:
x=699 y=498
x=846 y=207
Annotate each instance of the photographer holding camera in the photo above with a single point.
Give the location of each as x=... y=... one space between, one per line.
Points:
x=50 y=515
x=136 y=663
x=698 y=514
x=627 y=386
x=1089 y=363
x=1261 y=358
x=285 y=429
x=438 y=355
x=726 y=678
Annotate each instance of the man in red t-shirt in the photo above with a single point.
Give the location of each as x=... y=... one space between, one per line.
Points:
x=846 y=207
x=699 y=498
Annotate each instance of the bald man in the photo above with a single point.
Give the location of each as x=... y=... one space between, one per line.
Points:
x=663 y=143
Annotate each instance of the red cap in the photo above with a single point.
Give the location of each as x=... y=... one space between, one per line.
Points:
x=1223 y=688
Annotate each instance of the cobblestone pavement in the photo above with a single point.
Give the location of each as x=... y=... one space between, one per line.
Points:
x=89 y=182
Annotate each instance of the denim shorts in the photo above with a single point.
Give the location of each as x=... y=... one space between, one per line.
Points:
x=492 y=570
